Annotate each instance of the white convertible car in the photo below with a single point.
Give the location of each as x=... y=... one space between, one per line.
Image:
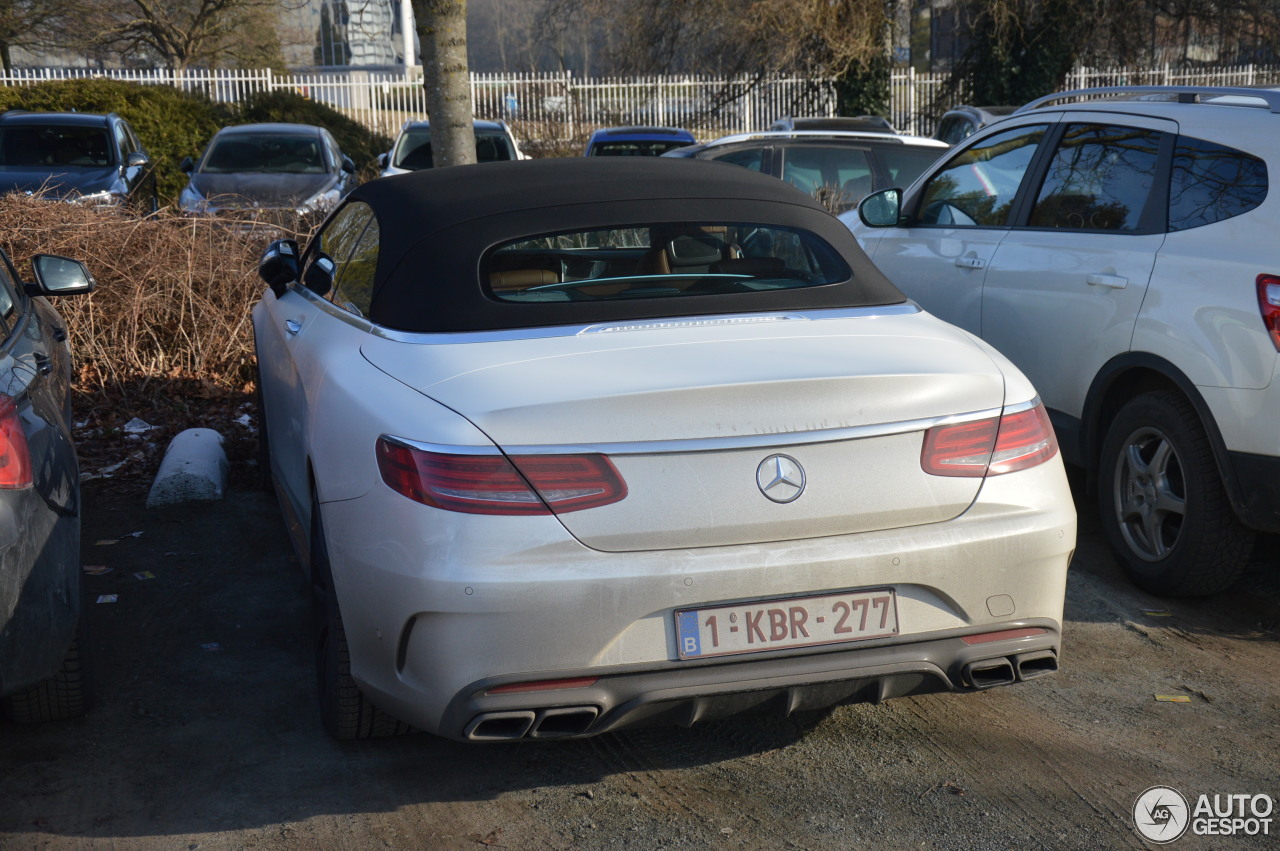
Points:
x=572 y=445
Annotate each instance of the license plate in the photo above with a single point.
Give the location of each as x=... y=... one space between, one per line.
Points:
x=793 y=622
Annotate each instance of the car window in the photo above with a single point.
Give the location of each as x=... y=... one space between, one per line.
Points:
x=660 y=261
x=955 y=129
x=493 y=147
x=341 y=243
x=123 y=142
x=1100 y=178
x=842 y=171
x=48 y=145
x=752 y=158
x=10 y=303
x=353 y=288
x=635 y=147
x=1211 y=182
x=905 y=163
x=976 y=187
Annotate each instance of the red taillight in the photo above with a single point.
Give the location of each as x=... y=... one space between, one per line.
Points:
x=15 y=457
x=992 y=446
x=494 y=484
x=1269 y=303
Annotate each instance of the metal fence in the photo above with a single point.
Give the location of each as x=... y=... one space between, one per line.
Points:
x=560 y=108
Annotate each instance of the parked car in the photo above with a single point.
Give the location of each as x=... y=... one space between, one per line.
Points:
x=963 y=121
x=43 y=676
x=863 y=123
x=76 y=156
x=570 y=445
x=1118 y=249
x=412 y=149
x=839 y=167
x=250 y=168
x=636 y=141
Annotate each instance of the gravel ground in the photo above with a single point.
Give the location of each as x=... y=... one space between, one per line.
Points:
x=205 y=734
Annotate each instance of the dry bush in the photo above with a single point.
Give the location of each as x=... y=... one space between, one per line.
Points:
x=166 y=336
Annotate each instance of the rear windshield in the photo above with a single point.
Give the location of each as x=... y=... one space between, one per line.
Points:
x=660 y=261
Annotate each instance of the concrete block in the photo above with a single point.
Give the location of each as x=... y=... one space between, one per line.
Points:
x=194 y=468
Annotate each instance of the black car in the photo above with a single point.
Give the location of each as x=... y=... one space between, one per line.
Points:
x=837 y=167
x=76 y=156
x=42 y=673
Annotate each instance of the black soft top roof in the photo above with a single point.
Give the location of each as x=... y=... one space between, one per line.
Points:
x=437 y=225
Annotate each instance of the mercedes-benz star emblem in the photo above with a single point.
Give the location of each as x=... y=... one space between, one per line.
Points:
x=781 y=478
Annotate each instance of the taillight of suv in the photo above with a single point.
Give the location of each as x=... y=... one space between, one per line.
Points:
x=1269 y=303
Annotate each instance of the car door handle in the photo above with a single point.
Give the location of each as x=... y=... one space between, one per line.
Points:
x=1116 y=282
x=293 y=326
x=44 y=365
x=970 y=262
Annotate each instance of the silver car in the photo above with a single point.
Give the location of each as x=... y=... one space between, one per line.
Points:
x=569 y=445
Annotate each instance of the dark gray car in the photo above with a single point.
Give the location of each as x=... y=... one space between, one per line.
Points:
x=296 y=167
x=42 y=674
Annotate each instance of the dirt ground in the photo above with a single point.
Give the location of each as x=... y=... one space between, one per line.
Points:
x=205 y=734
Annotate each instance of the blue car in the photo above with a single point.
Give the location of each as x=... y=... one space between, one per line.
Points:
x=636 y=141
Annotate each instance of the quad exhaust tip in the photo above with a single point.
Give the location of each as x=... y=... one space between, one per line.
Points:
x=1002 y=671
x=553 y=723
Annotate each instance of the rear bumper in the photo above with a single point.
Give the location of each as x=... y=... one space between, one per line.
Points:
x=439 y=609
x=1257 y=484
x=782 y=685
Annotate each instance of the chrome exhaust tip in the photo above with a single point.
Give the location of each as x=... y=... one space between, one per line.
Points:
x=564 y=721
x=499 y=726
x=988 y=673
x=1036 y=664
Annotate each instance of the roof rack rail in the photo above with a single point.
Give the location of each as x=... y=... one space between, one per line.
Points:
x=1183 y=94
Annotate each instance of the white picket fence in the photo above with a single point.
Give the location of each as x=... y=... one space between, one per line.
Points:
x=562 y=107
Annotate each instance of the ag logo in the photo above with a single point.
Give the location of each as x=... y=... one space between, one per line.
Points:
x=1161 y=814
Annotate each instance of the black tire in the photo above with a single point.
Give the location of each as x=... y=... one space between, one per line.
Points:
x=344 y=710
x=62 y=696
x=1162 y=501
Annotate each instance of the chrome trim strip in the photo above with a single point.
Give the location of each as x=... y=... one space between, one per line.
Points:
x=514 y=334
x=716 y=444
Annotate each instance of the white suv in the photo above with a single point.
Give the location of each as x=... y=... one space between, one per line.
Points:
x=1121 y=247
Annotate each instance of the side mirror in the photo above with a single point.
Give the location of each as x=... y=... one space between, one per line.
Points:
x=348 y=165
x=383 y=159
x=187 y=165
x=881 y=209
x=137 y=158
x=59 y=276
x=278 y=266
x=319 y=277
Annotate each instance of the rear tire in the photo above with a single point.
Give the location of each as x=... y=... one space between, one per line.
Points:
x=62 y=696
x=344 y=710
x=1162 y=502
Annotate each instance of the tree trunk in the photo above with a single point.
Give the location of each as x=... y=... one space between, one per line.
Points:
x=442 y=34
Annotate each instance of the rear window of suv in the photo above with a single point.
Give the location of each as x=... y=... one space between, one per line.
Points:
x=661 y=261
x=1211 y=182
